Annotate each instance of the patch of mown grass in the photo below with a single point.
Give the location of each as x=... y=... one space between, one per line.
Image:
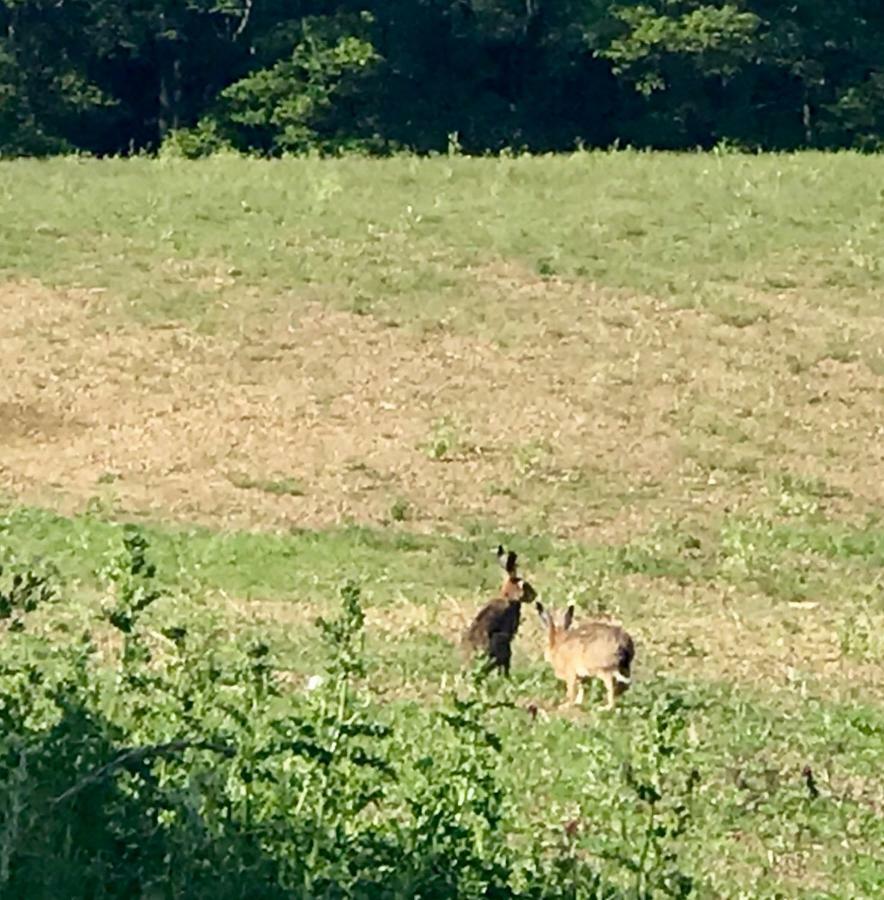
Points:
x=178 y=239
x=298 y=562
x=420 y=567
x=246 y=563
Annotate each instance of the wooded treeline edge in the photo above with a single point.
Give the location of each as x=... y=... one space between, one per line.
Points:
x=380 y=76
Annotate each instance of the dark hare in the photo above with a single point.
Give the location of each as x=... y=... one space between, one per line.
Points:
x=492 y=631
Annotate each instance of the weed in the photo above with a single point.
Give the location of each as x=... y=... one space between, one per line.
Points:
x=739 y=313
x=496 y=489
x=283 y=486
x=797 y=365
x=842 y=352
x=546 y=267
x=400 y=511
x=532 y=458
x=448 y=440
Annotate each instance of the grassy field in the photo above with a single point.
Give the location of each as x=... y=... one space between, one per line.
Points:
x=660 y=378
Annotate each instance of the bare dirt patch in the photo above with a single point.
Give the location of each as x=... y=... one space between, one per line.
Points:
x=25 y=421
x=588 y=414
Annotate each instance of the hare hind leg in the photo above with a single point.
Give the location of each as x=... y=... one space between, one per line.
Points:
x=578 y=700
x=500 y=653
x=608 y=678
x=571 y=681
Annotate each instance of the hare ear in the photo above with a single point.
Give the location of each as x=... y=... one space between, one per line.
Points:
x=544 y=615
x=507 y=560
x=569 y=616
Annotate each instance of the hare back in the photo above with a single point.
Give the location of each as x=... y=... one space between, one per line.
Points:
x=496 y=618
x=598 y=645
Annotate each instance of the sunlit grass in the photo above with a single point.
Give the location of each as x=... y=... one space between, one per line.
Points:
x=660 y=389
x=176 y=239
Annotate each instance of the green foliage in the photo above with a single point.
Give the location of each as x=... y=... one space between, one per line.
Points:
x=191 y=772
x=661 y=789
x=484 y=76
x=144 y=742
x=203 y=139
x=27 y=590
x=716 y=41
x=133 y=577
x=295 y=105
x=859 y=111
x=21 y=131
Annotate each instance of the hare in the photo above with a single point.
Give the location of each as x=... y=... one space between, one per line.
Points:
x=495 y=625
x=596 y=649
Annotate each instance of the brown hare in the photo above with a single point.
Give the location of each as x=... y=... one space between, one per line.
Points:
x=495 y=625
x=595 y=649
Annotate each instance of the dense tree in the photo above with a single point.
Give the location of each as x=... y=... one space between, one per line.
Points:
x=275 y=76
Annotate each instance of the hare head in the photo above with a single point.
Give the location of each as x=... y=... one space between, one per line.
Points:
x=513 y=588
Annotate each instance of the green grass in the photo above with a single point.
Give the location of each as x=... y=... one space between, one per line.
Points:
x=397 y=563
x=738 y=323
x=752 y=820
x=175 y=239
x=802 y=582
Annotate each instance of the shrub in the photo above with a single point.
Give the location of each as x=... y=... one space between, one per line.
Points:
x=179 y=766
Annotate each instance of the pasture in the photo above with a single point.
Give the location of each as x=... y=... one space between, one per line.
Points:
x=659 y=378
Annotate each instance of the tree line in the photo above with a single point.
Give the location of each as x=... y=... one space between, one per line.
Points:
x=380 y=76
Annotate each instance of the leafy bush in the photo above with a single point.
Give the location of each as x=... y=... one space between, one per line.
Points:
x=173 y=763
x=204 y=139
x=307 y=101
